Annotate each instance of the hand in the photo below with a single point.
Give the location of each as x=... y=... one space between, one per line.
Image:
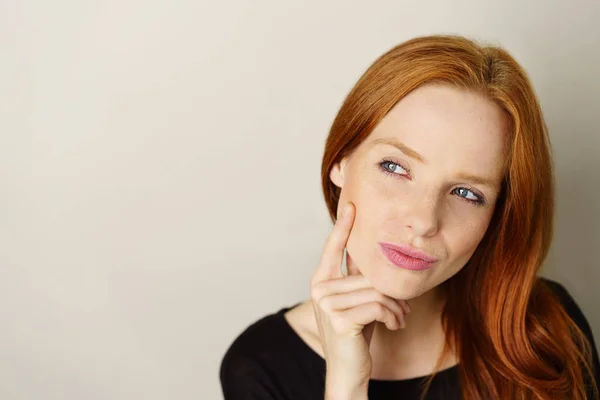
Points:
x=346 y=308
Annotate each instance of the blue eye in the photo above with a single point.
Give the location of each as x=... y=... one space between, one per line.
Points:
x=477 y=199
x=390 y=167
x=385 y=164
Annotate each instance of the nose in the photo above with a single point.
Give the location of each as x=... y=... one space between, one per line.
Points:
x=422 y=216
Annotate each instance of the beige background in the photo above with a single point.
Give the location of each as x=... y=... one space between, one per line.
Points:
x=159 y=169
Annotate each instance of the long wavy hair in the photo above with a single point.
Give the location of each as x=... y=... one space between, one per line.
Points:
x=513 y=338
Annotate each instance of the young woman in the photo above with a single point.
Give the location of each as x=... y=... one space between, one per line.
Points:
x=442 y=155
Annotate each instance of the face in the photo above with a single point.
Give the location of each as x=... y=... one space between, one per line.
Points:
x=428 y=176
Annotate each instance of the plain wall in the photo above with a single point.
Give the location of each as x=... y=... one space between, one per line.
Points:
x=160 y=161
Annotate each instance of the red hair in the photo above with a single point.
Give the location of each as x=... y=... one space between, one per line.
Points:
x=509 y=330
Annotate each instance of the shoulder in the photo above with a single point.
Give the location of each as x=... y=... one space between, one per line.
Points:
x=257 y=357
x=568 y=302
x=576 y=314
x=574 y=311
x=257 y=341
x=557 y=287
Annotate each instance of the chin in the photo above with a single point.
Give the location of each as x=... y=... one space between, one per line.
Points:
x=397 y=282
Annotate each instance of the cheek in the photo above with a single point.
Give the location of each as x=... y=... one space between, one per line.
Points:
x=367 y=225
x=385 y=187
x=367 y=194
x=465 y=236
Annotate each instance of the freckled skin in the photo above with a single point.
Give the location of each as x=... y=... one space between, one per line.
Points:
x=454 y=131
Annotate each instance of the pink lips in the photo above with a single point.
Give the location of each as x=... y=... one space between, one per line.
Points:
x=407 y=257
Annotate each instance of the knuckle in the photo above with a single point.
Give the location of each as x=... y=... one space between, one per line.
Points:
x=326 y=304
x=317 y=291
x=338 y=323
x=379 y=310
x=380 y=297
x=313 y=290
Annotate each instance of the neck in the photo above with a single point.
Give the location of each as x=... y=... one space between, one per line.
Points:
x=414 y=350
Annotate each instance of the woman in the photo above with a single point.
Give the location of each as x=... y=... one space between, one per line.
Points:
x=441 y=153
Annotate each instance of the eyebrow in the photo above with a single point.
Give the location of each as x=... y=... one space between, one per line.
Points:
x=402 y=147
x=415 y=155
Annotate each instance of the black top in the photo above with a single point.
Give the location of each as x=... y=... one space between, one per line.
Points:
x=269 y=361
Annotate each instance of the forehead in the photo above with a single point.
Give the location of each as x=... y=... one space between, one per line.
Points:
x=449 y=126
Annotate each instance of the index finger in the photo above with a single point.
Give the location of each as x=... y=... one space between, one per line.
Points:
x=330 y=265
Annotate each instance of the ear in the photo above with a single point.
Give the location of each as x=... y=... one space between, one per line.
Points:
x=337 y=173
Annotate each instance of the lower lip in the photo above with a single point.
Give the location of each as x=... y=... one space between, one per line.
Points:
x=403 y=261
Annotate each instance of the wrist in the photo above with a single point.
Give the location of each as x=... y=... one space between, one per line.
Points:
x=342 y=390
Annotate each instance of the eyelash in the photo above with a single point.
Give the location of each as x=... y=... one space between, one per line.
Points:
x=477 y=203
